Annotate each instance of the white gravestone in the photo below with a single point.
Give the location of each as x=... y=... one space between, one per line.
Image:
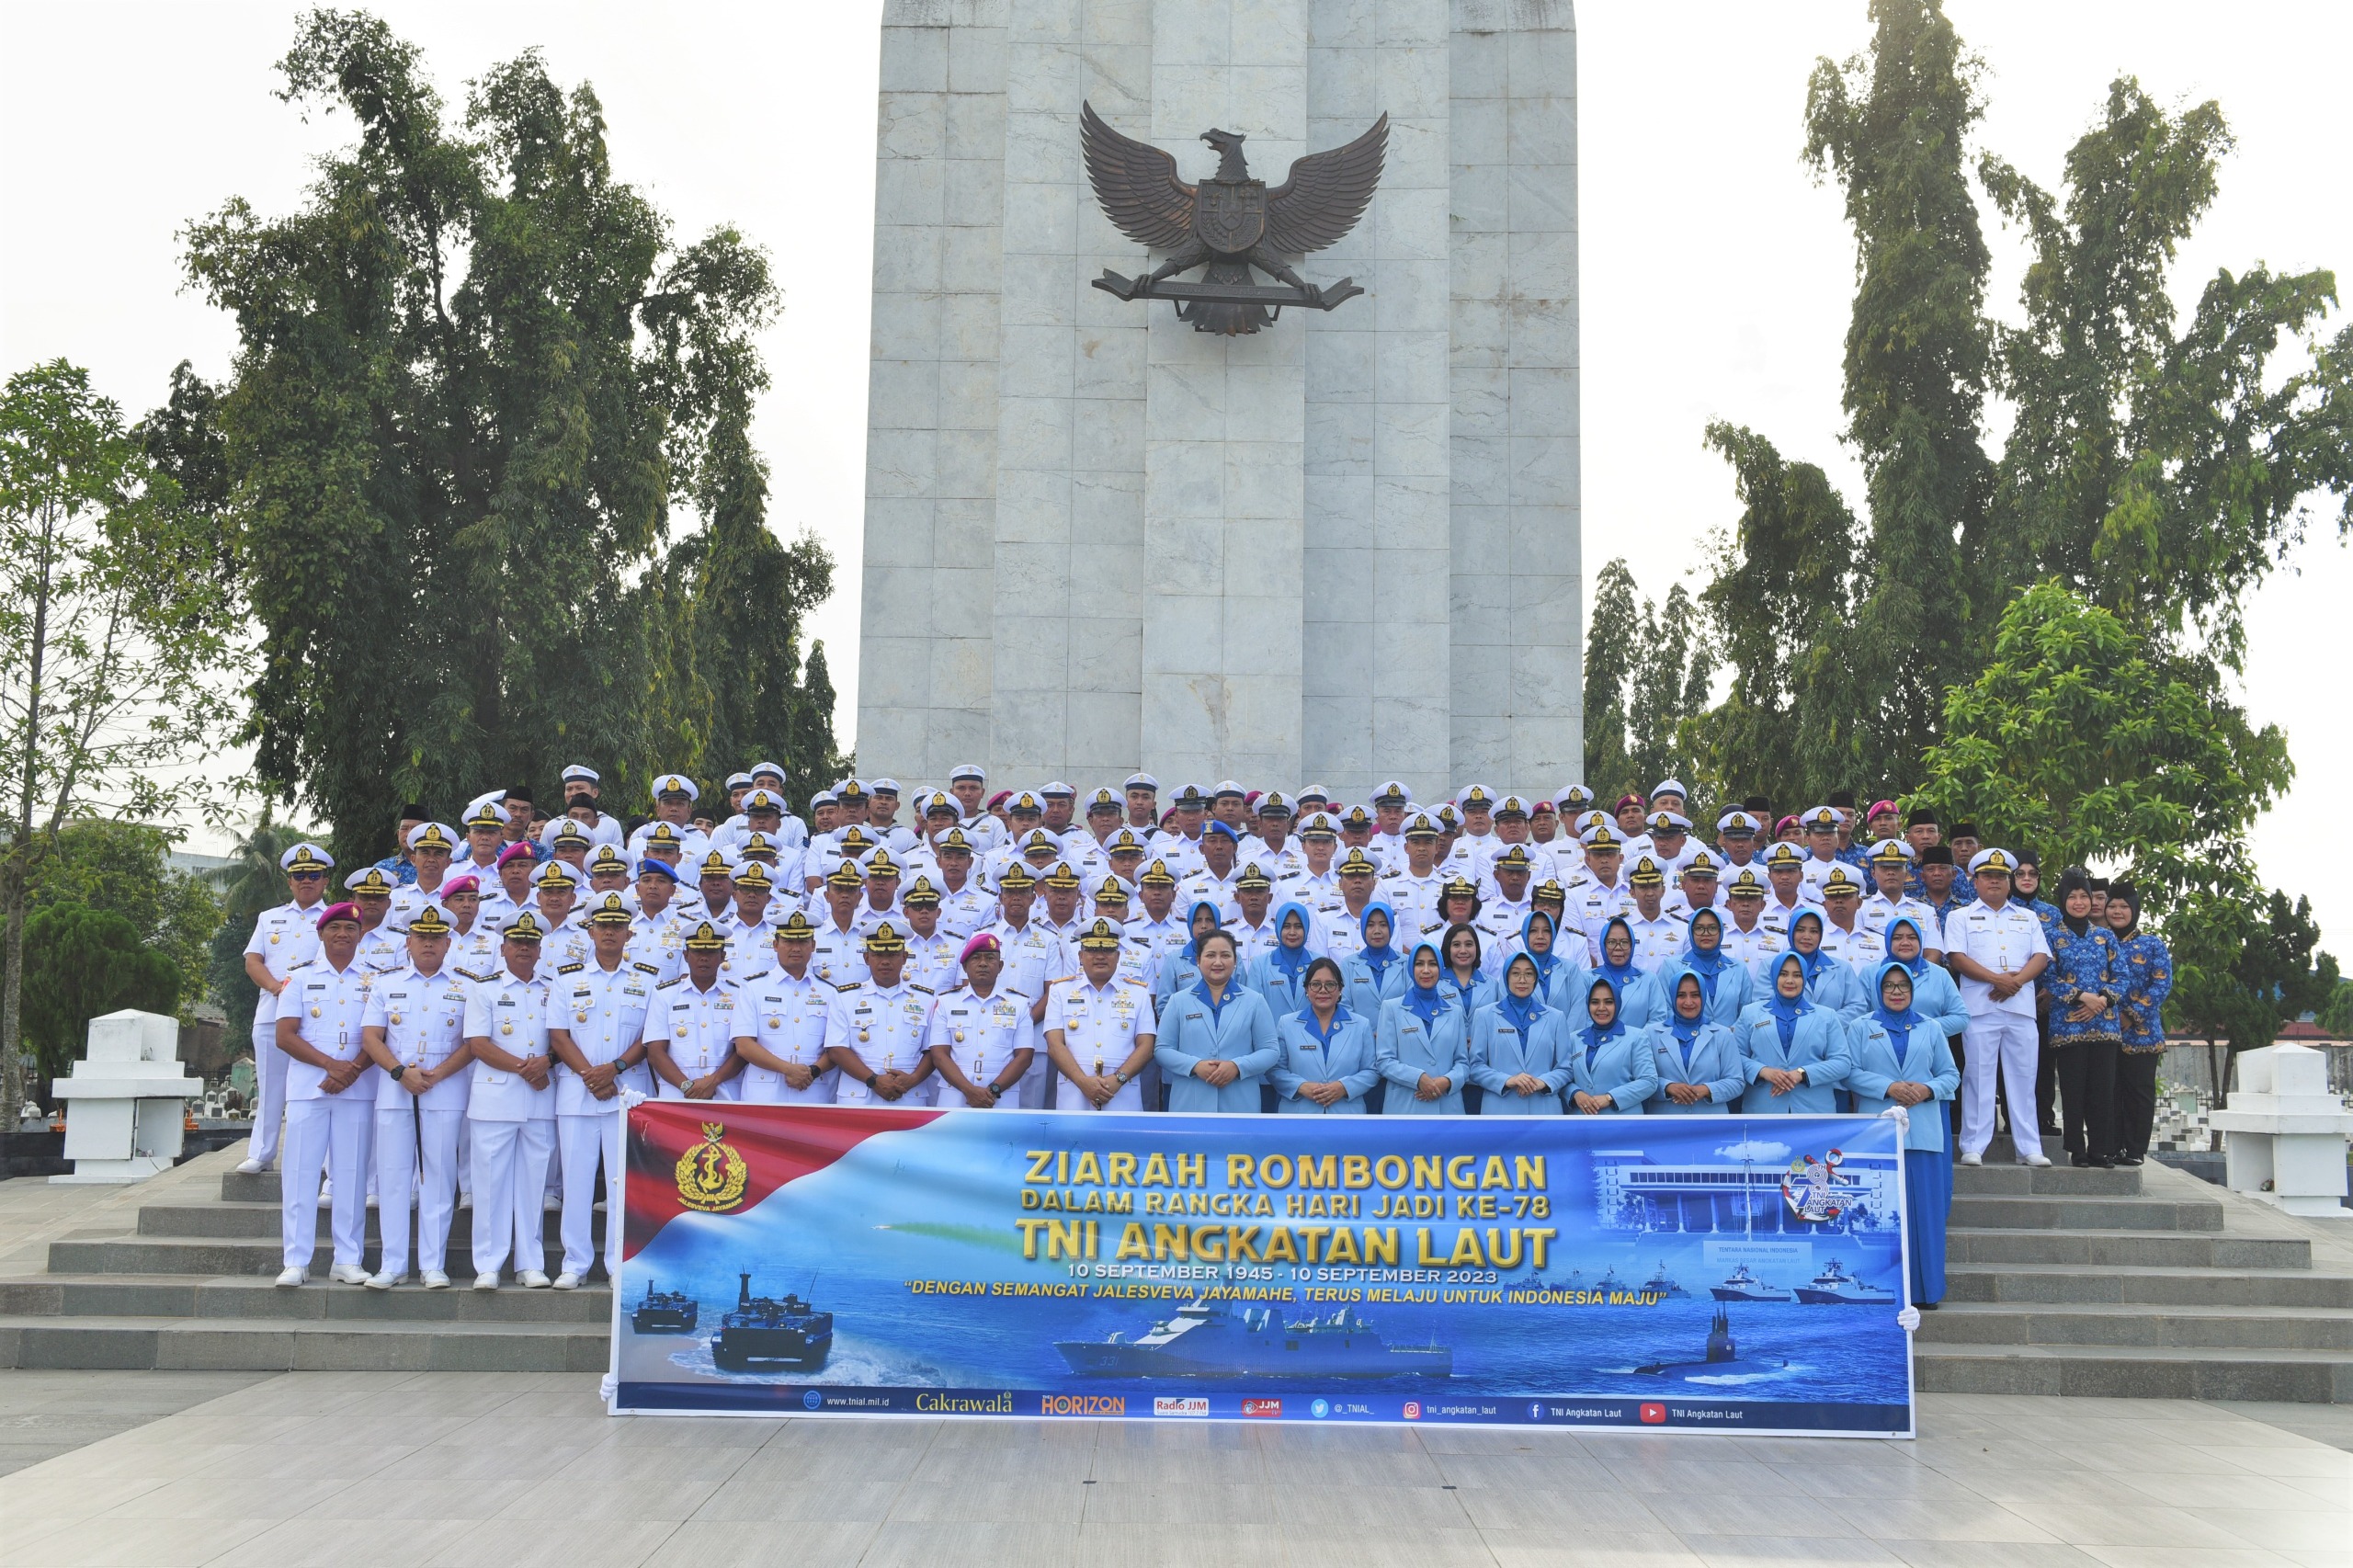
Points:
x=126 y=1103
x=2287 y=1132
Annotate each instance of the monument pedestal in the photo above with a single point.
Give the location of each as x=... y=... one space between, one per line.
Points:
x=125 y=1102
x=2286 y=1134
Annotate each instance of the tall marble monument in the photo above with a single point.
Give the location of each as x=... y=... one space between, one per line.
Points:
x=1339 y=549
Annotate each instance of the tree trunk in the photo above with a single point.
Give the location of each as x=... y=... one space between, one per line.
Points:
x=21 y=851
x=12 y=1083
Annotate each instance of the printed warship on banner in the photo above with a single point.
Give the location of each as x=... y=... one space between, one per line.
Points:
x=1208 y=1339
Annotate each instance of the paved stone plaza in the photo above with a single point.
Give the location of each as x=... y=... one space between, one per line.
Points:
x=519 y=1469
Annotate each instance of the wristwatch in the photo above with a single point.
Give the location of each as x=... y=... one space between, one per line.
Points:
x=993 y=1092
x=400 y=1072
x=871 y=1078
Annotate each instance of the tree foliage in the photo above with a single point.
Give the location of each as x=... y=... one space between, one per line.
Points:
x=119 y=868
x=474 y=379
x=2086 y=741
x=1646 y=674
x=116 y=633
x=81 y=964
x=2243 y=968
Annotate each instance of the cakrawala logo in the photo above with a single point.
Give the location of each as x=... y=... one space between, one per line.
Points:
x=1653 y=1414
x=965 y=1405
x=1169 y=1405
x=1412 y=1410
x=1083 y=1404
x=712 y=1173
x=1266 y=1407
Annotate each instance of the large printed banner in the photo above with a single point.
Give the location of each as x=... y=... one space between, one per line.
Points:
x=1717 y=1273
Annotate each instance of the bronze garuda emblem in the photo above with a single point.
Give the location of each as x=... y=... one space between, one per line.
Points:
x=1230 y=222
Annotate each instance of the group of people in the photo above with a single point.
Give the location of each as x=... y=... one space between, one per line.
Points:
x=469 y=1022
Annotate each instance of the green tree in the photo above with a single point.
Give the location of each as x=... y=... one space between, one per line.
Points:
x=1611 y=644
x=2089 y=742
x=2243 y=968
x=474 y=370
x=120 y=867
x=1893 y=126
x=115 y=638
x=2335 y=1015
x=1780 y=604
x=2161 y=476
x=81 y=964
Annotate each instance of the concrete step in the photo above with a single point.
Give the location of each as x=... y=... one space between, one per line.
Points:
x=231 y=1222
x=104 y=1295
x=2030 y=1213
x=2048 y=1181
x=2113 y=1371
x=264 y=1345
x=2102 y=1323
x=209 y=1259
x=2153 y=1249
x=2030 y=1283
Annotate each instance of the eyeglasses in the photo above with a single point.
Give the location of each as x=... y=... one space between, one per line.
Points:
x=1326 y=984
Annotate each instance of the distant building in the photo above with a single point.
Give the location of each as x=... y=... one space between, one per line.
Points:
x=1635 y=1192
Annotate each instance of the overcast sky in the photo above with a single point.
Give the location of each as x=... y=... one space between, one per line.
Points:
x=1717 y=275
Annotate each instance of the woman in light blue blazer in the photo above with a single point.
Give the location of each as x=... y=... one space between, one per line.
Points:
x=1934 y=995
x=1422 y=1043
x=1795 y=1051
x=1612 y=1069
x=1724 y=983
x=1277 y=972
x=1560 y=967
x=1630 y=984
x=1182 y=966
x=1376 y=972
x=1828 y=983
x=1216 y=1043
x=1517 y=1055
x=1328 y=1063
x=1903 y=1057
x=1462 y=951
x=1698 y=1061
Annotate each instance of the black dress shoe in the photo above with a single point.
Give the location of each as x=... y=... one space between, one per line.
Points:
x=2081 y=1162
x=2130 y=1162
x=2107 y=1162
x=1926 y=1306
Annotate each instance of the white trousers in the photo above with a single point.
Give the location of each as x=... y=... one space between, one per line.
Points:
x=398 y=1133
x=329 y=1136
x=2006 y=1042
x=270 y=1092
x=584 y=1141
x=510 y=1173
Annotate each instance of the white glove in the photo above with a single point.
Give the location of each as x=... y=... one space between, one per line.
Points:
x=1899 y=1116
x=1908 y=1320
x=631 y=1099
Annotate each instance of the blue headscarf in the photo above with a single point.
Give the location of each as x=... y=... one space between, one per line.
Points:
x=1812 y=963
x=1378 y=959
x=1592 y=1034
x=1705 y=962
x=1683 y=1029
x=1549 y=958
x=1291 y=960
x=1521 y=1011
x=1786 y=1011
x=1191 y=951
x=1899 y=1026
x=1425 y=1002
x=1920 y=960
x=1619 y=975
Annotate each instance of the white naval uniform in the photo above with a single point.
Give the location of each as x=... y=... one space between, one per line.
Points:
x=965 y=909
x=512 y=1125
x=324 y=1131
x=655 y=940
x=423 y=1019
x=1815 y=872
x=932 y=962
x=1033 y=959
x=838 y=957
x=1414 y=898
x=698 y=1028
x=982 y=830
x=407 y=901
x=2001 y=1035
x=981 y=1034
x=383 y=950
x=1878 y=911
x=1100 y=1026
x=605 y=829
x=283 y=937
x=885 y=1028
x=692 y=843
x=1655 y=941
x=750 y=949
x=566 y=944
x=1745 y=947
x=1859 y=949
x=787 y=1019
x=604 y=1011
x=1777 y=916
x=1344 y=932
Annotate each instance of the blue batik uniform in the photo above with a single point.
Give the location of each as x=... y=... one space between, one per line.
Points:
x=1310 y=1053
x=2080 y=967
x=1193 y=1030
x=1695 y=1053
x=1800 y=1036
x=1423 y=1032
x=2147 y=970
x=397 y=868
